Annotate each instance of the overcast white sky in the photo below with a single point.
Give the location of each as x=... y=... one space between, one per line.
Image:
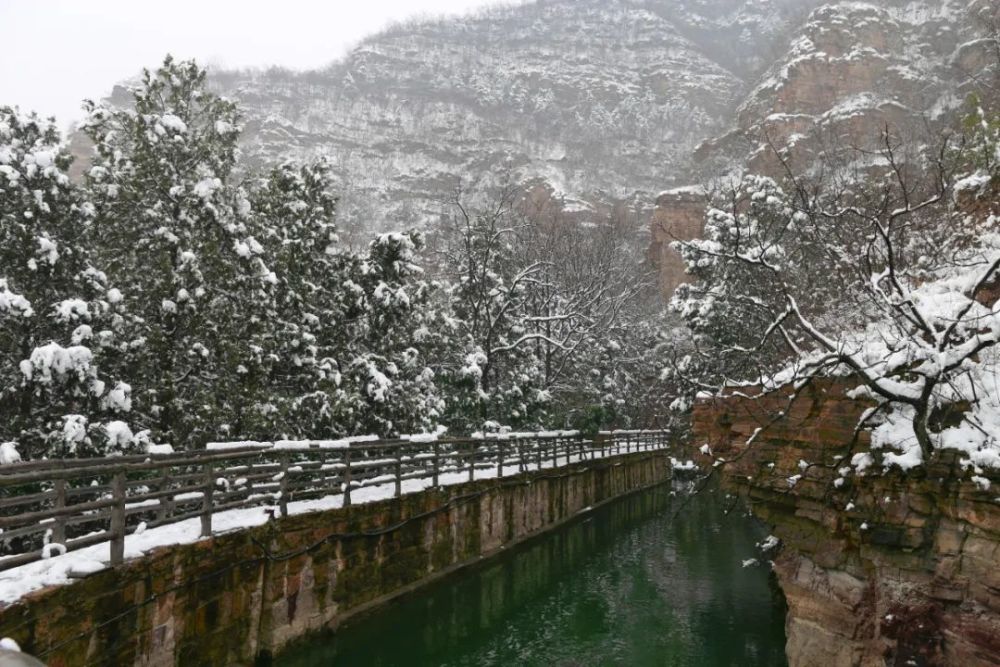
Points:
x=58 y=52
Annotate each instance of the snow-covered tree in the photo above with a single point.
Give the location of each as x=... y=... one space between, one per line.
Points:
x=908 y=311
x=500 y=378
x=397 y=334
x=590 y=313
x=548 y=311
x=172 y=222
x=241 y=315
x=983 y=151
x=59 y=326
x=731 y=300
x=349 y=334
x=295 y=365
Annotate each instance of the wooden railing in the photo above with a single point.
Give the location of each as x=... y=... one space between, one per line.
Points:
x=52 y=506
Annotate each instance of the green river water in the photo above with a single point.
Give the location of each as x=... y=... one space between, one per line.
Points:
x=641 y=581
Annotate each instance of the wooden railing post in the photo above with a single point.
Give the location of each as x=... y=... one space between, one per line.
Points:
x=322 y=470
x=206 y=501
x=555 y=453
x=499 y=459
x=472 y=460
x=399 y=470
x=283 y=486
x=538 y=454
x=347 y=476
x=165 y=508
x=118 y=519
x=59 y=523
x=437 y=465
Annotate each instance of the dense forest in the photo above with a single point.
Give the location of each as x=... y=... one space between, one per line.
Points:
x=173 y=297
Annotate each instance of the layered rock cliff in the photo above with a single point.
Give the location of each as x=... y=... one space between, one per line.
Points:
x=600 y=100
x=853 y=70
x=881 y=569
x=606 y=102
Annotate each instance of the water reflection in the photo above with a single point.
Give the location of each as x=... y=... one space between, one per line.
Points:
x=631 y=584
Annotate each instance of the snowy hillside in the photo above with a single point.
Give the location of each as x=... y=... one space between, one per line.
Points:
x=851 y=68
x=600 y=98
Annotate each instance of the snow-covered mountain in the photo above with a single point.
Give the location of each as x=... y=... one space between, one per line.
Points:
x=602 y=99
x=605 y=101
x=851 y=69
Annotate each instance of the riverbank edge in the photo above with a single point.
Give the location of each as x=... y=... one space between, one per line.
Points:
x=301 y=575
x=485 y=560
x=886 y=568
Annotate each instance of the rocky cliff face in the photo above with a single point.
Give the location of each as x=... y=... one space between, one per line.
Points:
x=852 y=70
x=679 y=216
x=606 y=102
x=601 y=100
x=884 y=569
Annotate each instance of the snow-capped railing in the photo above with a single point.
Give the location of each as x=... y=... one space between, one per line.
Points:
x=53 y=506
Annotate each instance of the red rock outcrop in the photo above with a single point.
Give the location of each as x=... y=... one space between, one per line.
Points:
x=855 y=69
x=883 y=569
x=852 y=71
x=679 y=216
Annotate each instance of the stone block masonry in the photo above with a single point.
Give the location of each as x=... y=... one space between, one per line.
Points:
x=242 y=597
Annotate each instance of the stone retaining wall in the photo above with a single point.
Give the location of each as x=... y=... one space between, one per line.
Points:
x=238 y=599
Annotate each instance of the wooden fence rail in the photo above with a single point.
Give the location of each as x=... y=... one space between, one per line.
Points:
x=49 y=507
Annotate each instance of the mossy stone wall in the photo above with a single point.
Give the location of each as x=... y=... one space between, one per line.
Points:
x=237 y=599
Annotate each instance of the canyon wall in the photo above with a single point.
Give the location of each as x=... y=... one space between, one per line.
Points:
x=679 y=216
x=239 y=598
x=882 y=569
x=852 y=71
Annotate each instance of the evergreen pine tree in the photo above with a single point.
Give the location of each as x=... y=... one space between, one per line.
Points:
x=58 y=313
x=174 y=224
